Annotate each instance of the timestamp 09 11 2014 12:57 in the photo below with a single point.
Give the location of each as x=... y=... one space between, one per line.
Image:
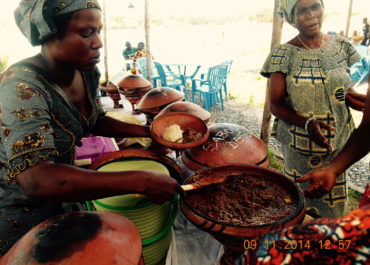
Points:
x=298 y=244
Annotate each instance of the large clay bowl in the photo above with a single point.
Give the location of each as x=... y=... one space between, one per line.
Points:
x=232 y=236
x=159 y=98
x=187 y=107
x=184 y=120
x=84 y=238
x=133 y=82
x=227 y=143
x=133 y=153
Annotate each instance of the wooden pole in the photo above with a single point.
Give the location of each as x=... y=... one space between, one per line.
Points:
x=105 y=42
x=147 y=40
x=276 y=38
x=348 y=18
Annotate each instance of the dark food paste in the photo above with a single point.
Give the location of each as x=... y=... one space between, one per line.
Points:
x=243 y=200
x=191 y=135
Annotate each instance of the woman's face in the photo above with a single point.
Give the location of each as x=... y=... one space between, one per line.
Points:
x=308 y=16
x=79 y=47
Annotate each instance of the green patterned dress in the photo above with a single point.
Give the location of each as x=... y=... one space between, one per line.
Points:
x=316 y=83
x=38 y=123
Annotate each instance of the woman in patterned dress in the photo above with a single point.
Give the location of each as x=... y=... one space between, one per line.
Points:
x=48 y=102
x=336 y=241
x=309 y=76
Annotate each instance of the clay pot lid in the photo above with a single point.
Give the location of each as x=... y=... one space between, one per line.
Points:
x=158 y=97
x=187 y=107
x=134 y=82
x=227 y=143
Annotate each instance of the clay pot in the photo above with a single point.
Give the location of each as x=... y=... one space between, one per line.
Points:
x=134 y=87
x=227 y=143
x=132 y=82
x=233 y=236
x=187 y=107
x=112 y=92
x=132 y=153
x=184 y=120
x=79 y=238
x=157 y=99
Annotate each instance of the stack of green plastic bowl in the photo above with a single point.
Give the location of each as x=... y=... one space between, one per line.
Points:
x=153 y=221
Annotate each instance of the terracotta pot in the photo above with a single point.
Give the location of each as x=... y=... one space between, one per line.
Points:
x=233 y=236
x=227 y=143
x=112 y=92
x=134 y=82
x=184 y=120
x=78 y=238
x=159 y=98
x=134 y=87
x=187 y=107
x=131 y=153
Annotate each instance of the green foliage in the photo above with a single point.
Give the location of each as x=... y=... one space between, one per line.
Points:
x=354 y=194
x=4 y=62
x=265 y=16
x=275 y=162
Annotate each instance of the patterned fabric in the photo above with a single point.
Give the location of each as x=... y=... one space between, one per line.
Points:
x=332 y=204
x=139 y=54
x=316 y=82
x=286 y=8
x=38 y=123
x=324 y=241
x=35 y=18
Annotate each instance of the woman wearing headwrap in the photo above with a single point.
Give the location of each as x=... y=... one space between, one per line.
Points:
x=48 y=102
x=309 y=76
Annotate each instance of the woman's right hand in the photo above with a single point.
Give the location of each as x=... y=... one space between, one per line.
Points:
x=159 y=187
x=315 y=131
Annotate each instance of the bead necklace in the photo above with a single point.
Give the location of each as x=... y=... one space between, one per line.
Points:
x=308 y=48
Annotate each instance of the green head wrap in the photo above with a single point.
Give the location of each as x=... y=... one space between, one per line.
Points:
x=35 y=18
x=286 y=9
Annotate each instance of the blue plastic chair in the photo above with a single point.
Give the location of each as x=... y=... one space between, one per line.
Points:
x=211 y=89
x=361 y=73
x=177 y=82
x=228 y=63
x=360 y=70
x=141 y=65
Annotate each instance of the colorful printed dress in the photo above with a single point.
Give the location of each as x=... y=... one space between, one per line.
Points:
x=329 y=241
x=316 y=83
x=38 y=123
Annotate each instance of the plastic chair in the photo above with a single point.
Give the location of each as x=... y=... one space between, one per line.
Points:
x=361 y=71
x=141 y=65
x=212 y=87
x=228 y=63
x=177 y=82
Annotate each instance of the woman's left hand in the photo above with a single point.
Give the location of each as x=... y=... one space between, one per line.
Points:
x=314 y=129
x=321 y=181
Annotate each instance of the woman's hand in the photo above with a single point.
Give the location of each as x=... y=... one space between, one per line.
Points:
x=315 y=130
x=355 y=100
x=160 y=187
x=321 y=181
